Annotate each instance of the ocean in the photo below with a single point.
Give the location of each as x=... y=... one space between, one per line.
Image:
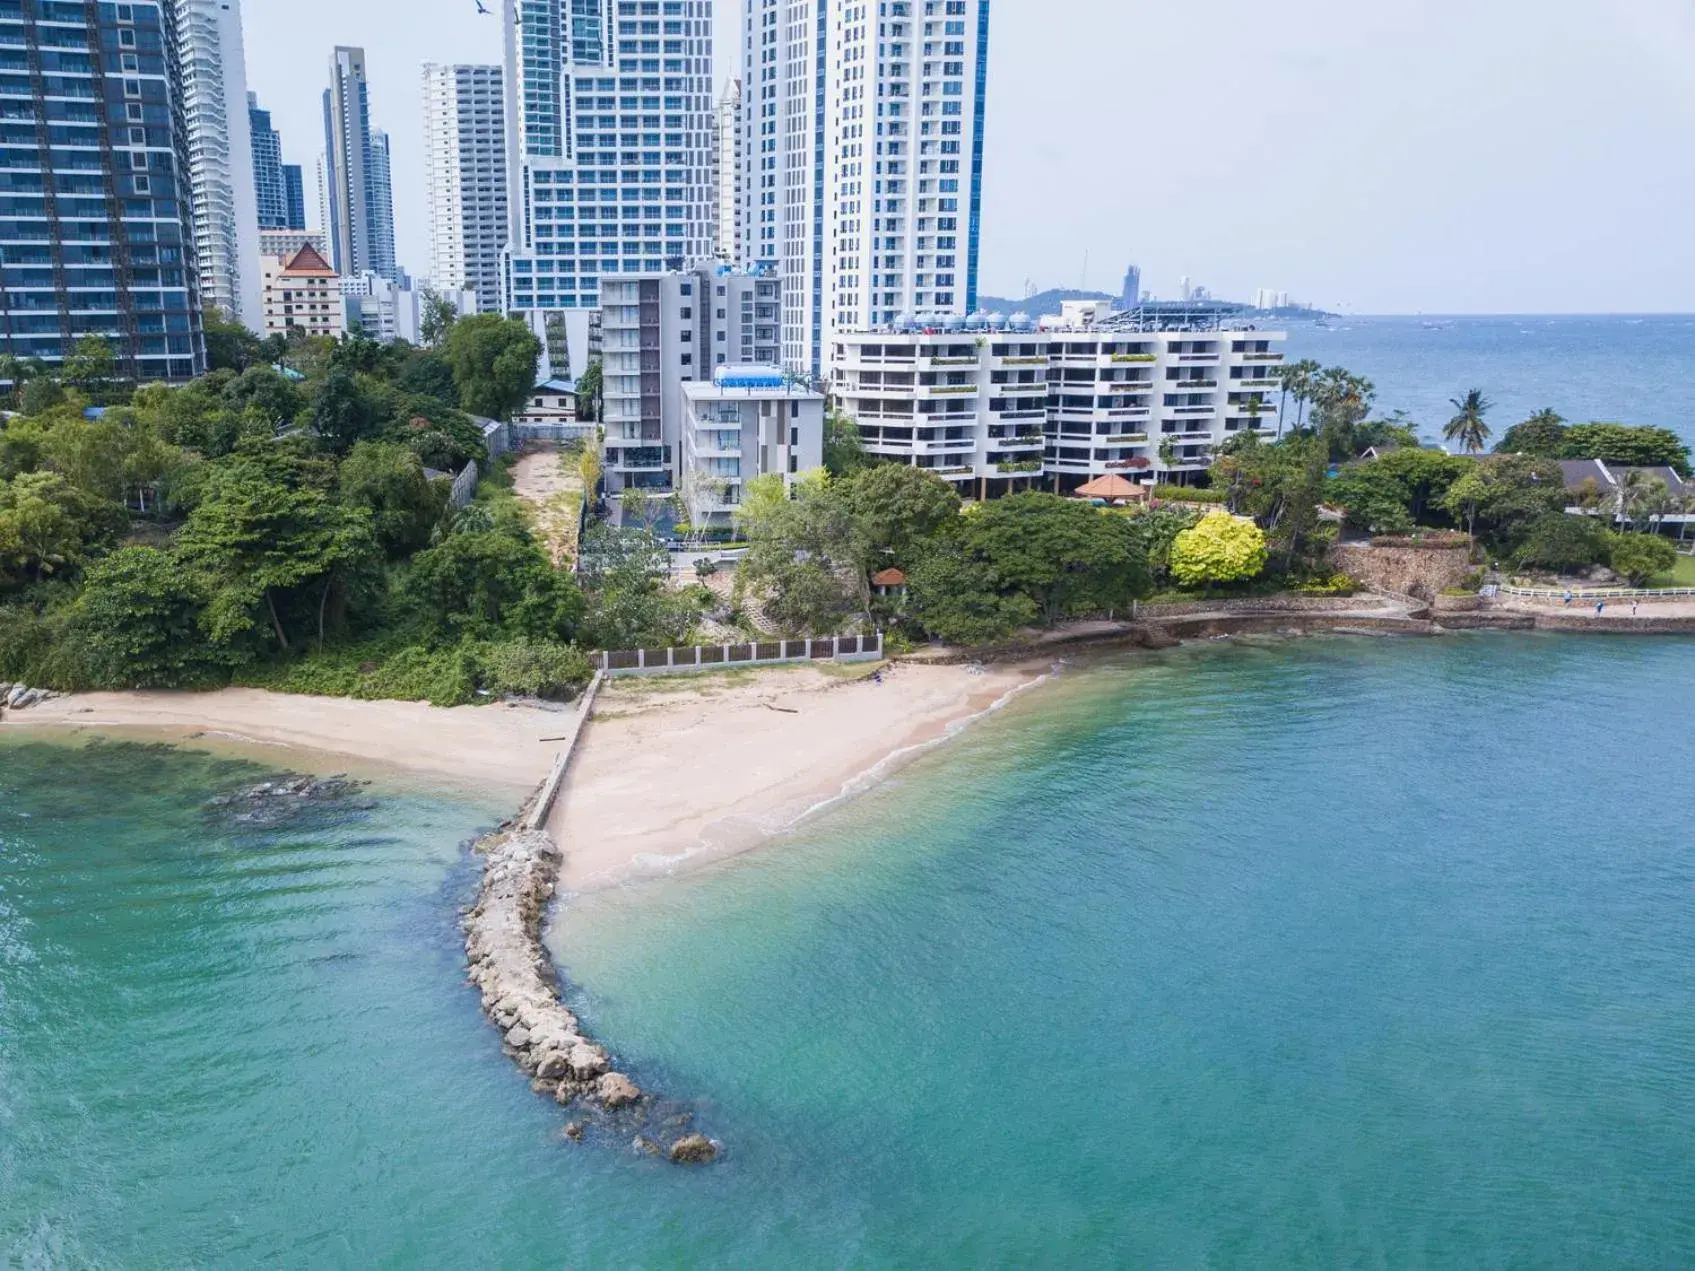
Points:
x=1624 y=369
x=1257 y=953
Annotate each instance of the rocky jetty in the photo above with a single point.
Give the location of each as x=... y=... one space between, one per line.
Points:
x=520 y=997
x=285 y=798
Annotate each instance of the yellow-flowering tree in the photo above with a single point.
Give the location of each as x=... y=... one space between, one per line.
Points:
x=1221 y=549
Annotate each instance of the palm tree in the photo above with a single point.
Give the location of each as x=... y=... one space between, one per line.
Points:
x=1300 y=381
x=1468 y=427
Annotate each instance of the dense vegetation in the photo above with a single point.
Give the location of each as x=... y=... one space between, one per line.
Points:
x=287 y=523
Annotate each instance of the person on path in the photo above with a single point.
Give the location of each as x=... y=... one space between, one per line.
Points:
x=1568 y=597
x=1600 y=606
x=1633 y=605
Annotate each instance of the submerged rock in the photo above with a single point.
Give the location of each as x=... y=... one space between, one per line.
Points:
x=615 y=1090
x=696 y=1149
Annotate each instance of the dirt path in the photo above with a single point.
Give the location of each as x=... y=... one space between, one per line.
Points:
x=549 y=482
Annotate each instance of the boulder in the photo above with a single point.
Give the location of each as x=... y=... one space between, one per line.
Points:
x=587 y=1061
x=517 y=1037
x=639 y=1144
x=696 y=1149
x=553 y=1065
x=574 y=1131
x=615 y=1090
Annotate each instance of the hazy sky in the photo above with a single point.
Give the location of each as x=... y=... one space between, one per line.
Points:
x=1393 y=156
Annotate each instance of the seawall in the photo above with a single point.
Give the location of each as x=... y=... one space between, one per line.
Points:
x=520 y=986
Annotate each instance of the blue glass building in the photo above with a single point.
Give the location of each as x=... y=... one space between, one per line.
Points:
x=95 y=220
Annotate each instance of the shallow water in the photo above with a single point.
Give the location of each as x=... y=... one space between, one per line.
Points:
x=1333 y=952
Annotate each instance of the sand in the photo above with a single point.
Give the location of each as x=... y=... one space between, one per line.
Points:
x=679 y=771
x=471 y=746
x=540 y=479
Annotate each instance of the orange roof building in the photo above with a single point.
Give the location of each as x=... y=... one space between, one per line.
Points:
x=302 y=290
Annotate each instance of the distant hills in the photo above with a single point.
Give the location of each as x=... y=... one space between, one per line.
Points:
x=1042 y=302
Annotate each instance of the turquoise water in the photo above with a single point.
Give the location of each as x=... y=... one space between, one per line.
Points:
x=1630 y=370
x=1339 y=952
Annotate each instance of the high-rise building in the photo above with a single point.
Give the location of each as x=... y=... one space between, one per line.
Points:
x=355 y=181
x=863 y=158
x=279 y=190
x=380 y=208
x=97 y=234
x=220 y=157
x=609 y=128
x=294 y=184
x=1132 y=287
x=465 y=173
x=727 y=174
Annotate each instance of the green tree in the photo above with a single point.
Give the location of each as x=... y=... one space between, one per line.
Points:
x=1157 y=530
x=273 y=396
x=265 y=534
x=844 y=450
x=806 y=550
x=1467 y=426
x=342 y=414
x=1502 y=495
x=1626 y=446
x=494 y=363
x=92 y=364
x=1026 y=557
x=1341 y=401
x=629 y=605
x=1401 y=489
x=389 y=481
x=1641 y=558
x=590 y=385
x=138 y=618
x=230 y=346
x=1300 y=381
x=41 y=395
x=1221 y=549
x=436 y=316
x=1560 y=542
x=893 y=506
x=1543 y=434
x=1282 y=486
x=486 y=582
x=49 y=528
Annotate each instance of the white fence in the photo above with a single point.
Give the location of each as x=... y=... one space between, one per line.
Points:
x=707 y=657
x=1598 y=593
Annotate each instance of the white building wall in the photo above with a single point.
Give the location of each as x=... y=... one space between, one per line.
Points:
x=727 y=175
x=220 y=146
x=993 y=411
x=732 y=435
x=465 y=178
x=611 y=121
x=862 y=160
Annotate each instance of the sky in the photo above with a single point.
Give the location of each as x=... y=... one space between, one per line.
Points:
x=1396 y=156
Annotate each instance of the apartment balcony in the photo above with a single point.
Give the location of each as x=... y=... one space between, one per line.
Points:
x=1127 y=439
x=1261 y=357
x=1117 y=359
x=1188 y=386
x=1196 y=359
x=1018 y=414
x=947 y=390
x=1191 y=410
x=1026 y=442
x=947 y=361
x=1033 y=359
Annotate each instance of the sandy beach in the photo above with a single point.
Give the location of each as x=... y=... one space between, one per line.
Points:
x=682 y=770
x=469 y=745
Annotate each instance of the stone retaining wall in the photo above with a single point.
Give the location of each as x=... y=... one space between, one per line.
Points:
x=1424 y=572
x=1260 y=604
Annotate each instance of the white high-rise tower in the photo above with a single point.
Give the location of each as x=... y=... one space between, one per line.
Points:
x=727 y=173
x=465 y=172
x=863 y=160
x=220 y=158
x=609 y=135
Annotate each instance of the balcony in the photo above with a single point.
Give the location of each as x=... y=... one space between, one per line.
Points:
x=1128 y=439
x=1196 y=359
x=1192 y=410
x=1189 y=386
x=947 y=390
x=1033 y=360
x=1262 y=357
x=1133 y=357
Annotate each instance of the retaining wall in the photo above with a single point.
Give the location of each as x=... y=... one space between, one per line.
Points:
x=1423 y=572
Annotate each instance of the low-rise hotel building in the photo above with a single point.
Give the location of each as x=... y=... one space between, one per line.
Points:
x=997 y=405
x=745 y=422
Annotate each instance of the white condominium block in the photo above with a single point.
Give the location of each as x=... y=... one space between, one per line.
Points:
x=465 y=175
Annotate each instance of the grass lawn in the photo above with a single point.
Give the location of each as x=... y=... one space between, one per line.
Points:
x=1681 y=576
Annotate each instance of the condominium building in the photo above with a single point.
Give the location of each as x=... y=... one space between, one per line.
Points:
x=96 y=234
x=661 y=331
x=744 y=422
x=387 y=311
x=359 y=202
x=220 y=157
x=279 y=190
x=302 y=291
x=997 y=405
x=465 y=174
x=862 y=147
x=609 y=127
x=285 y=242
x=727 y=174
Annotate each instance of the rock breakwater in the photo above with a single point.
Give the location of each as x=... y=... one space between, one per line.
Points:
x=520 y=998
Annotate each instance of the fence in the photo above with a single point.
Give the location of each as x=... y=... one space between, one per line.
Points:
x=465 y=486
x=705 y=657
x=1597 y=593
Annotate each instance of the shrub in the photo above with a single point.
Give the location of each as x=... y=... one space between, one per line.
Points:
x=1642 y=557
x=1189 y=494
x=1221 y=549
x=532 y=668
